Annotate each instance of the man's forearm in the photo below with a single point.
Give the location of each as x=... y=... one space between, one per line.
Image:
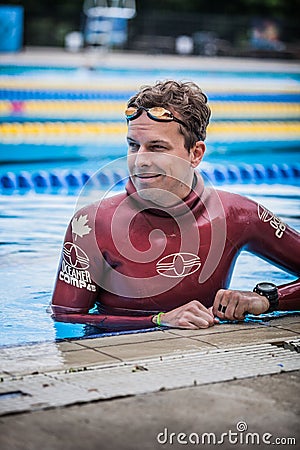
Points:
x=106 y=321
x=289 y=296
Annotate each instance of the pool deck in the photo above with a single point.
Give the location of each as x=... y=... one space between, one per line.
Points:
x=56 y=57
x=121 y=392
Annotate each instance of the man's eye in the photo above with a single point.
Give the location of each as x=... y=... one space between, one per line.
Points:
x=133 y=147
x=158 y=148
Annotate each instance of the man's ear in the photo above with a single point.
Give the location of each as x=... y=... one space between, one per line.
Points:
x=197 y=153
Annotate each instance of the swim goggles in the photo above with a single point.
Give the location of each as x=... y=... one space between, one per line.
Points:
x=157 y=113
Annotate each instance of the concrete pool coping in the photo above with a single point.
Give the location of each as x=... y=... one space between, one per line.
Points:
x=230 y=365
x=29 y=362
x=74 y=354
x=59 y=57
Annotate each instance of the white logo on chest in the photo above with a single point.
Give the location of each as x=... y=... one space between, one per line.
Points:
x=178 y=265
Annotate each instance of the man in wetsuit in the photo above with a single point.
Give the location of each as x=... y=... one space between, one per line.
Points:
x=163 y=252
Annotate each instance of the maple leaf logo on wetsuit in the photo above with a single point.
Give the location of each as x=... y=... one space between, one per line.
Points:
x=80 y=226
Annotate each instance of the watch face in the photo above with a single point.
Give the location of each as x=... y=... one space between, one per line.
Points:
x=267 y=287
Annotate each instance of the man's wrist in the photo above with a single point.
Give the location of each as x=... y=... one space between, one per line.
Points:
x=270 y=292
x=156 y=319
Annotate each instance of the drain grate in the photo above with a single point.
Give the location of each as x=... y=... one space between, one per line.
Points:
x=150 y=375
x=12 y=394
x=293 y=345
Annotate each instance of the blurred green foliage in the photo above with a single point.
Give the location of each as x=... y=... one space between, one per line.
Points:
x=279 y=8
x=47 y=21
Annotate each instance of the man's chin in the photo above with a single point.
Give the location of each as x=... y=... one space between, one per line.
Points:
x=159 y=197
x=150 y=194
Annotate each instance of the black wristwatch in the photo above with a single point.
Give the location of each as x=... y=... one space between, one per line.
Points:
x=270 y=291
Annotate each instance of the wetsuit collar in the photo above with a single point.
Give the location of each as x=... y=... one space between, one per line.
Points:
x=190 y=201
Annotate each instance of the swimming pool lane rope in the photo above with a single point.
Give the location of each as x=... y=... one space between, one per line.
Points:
x=58 y=180
x=71 y=132
x=86 y=109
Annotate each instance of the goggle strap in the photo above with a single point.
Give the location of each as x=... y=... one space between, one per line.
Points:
x=140 y=109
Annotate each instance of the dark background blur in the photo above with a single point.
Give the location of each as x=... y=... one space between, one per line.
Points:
x=217 y=27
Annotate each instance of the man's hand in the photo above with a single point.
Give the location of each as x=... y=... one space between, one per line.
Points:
x=233 y=305
x=191 y=316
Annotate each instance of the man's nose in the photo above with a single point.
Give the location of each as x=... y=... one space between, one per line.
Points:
x=143 y=157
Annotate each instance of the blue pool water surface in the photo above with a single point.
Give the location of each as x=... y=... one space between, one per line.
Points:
x=32 y=225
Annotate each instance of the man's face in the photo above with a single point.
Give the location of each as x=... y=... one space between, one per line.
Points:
x=160 y=166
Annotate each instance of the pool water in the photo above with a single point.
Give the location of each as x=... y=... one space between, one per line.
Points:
x=56 y=110
x=32 y=231
x=32 y=226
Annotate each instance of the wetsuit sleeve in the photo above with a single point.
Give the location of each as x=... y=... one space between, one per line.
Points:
x=75 y=292
x=108 y=322
x=276 y=242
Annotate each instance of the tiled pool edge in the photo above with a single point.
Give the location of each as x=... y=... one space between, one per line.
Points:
x=80 y=364
x=51 y=356
x=60 y=389
x=58 y=57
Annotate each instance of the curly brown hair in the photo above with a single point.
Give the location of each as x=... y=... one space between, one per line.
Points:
x=185 y=98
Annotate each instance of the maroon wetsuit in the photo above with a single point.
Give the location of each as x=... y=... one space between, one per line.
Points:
x=134 y=259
